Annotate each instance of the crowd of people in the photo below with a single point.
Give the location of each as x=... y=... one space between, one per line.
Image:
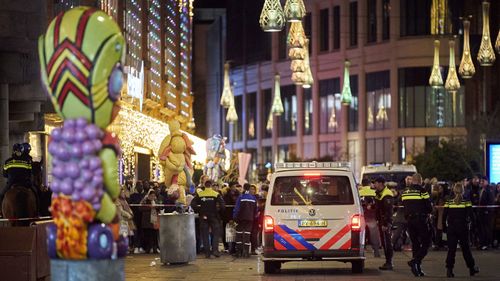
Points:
x=220 y=207
x=418 y=214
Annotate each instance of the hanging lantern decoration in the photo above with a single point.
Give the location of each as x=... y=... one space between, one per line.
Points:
x=296 y=36
x=497 y=43
x=466 y=68
x=298 y=66
x=486 y=55
x=227 y=93
x=294 y=10
x=191 y=125
x=298 y=78
x=269 y=125
x=436 y=81
x=277 y=107
x=296 y=53
x=452 y=84
x=346 y=89
x=308 y=78
x=232 y=116
x=272 y=18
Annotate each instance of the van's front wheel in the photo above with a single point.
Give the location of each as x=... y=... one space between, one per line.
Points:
x=358 y=266
x=271 y=267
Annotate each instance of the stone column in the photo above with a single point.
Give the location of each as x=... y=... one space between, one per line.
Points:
x=4 y=126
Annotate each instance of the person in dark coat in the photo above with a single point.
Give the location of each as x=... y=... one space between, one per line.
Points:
x=245 y=211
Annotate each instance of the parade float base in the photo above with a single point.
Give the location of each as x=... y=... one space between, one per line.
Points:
x=84 y=270
x=177 y=238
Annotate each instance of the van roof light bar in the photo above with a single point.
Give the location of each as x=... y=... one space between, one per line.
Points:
x=311 y=165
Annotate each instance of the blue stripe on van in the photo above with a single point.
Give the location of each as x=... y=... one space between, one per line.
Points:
x=298 y=237
x=282 y=241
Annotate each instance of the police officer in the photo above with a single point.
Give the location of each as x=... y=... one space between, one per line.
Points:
x=207 y=204
x=18 y=169
x=417 y=208
x=367 y=196
x=456 y=217
x=384 y=204
x=244 y=213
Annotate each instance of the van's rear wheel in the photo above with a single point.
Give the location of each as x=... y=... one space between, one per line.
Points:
x=271 y=267
x=358 y=266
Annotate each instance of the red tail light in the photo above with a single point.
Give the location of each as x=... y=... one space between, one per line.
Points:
x=356 y=222
x=268 y=224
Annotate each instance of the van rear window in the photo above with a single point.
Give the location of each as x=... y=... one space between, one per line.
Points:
x=320 y=190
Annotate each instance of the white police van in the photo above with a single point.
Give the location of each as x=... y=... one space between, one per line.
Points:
x=394 y=174
x=313 y=213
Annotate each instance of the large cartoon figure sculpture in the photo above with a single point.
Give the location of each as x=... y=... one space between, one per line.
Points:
x=81 y=68
x=216 y=156
x=175 y=158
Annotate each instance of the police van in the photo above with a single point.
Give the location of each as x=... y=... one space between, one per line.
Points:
x=313 y=212
x=394 y=174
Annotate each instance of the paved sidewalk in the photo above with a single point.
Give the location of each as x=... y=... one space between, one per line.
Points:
x=148 y=267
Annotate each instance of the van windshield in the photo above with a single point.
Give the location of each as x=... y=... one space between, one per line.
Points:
x=305 y=190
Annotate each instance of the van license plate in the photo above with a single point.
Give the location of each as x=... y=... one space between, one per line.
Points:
x=313 y=223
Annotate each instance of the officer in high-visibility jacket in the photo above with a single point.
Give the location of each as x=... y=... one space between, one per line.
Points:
x=417 y=209
x=457 y=216
x=207 y=203
x=367 y=196
x=384 y=202
x=244 y=213
x=17 y=169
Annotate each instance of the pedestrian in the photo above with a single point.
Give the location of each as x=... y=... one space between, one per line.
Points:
x=127 y=226
x=207 y=204
x=245 y=211
x=457 y=216
x=230 y=194
x=135 y=199
x=367 y=196
x=256 y=226
x=150 y=222
x=485 y=212
x=417 y=207
x=384 y=209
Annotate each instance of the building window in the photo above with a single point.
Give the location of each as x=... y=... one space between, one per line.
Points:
x=423 y=106
x=378 y=100
x=353 y=23
x=286 y=152
x=378 y=150
x=323 y=30
x=371 y=21
x=353 y=108
x=268 y=99
x=330 y=107
x=415 y=17
x=409 y=146
x=331 y=150
x=288 y=120
x=386 y=19
x=308 y=30
x=353 y=156
x=238 y=125
x=267 y=155
x=308 y=111
x=251 y=116
x=336 y=27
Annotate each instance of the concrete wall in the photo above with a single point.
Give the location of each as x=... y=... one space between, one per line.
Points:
x=22 y=100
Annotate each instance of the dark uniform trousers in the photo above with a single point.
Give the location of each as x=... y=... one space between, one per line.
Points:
x=420 y=236
x=458 y=233
x=213 y=223
x=243 y=232
x=386 y=239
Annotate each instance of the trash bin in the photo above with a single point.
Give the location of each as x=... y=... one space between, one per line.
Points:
x=177 y=238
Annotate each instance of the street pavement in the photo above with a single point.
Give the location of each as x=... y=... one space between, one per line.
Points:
x=148 y=267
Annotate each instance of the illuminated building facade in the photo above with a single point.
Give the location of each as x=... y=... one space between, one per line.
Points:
x=394 y=114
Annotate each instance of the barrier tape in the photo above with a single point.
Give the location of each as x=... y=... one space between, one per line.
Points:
x=26 y=219
x=166 y=205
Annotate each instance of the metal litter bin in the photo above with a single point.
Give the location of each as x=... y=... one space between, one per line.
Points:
x=177 y=238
